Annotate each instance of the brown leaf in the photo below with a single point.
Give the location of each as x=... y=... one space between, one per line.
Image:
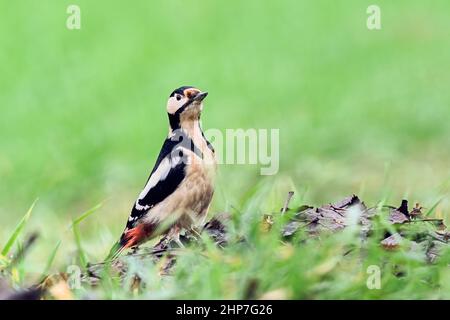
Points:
x=347 y=202
x=397 y=217
x=216 y=228
x=392 y=242
x=416 y=212
x=290 y=228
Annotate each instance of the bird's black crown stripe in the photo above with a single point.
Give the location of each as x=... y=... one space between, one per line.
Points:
x=180 y=90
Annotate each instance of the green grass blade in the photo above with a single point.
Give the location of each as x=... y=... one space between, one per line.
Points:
x=4 y=262
x=81 y=254
x=86 y=214
x=433 y=207
x=50 y=260
x=74 y=226
x=17 y=231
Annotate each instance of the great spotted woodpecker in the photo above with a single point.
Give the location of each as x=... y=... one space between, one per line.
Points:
x=180 y=187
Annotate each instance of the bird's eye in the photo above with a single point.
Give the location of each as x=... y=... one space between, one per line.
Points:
x=178 y=97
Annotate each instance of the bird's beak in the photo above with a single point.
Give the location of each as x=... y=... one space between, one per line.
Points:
x=200 y=96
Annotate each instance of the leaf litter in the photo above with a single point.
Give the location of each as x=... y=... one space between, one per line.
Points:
x=429 y=235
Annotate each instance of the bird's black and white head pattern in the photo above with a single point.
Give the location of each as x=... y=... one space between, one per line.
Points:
x=186 y=99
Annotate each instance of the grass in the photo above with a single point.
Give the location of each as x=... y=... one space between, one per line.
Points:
x=334 y=266
x=82 y=120
x=267 y=266
x=19 y=228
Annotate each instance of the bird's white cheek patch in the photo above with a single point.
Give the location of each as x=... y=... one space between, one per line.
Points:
x=172 y=108
x=173 y=105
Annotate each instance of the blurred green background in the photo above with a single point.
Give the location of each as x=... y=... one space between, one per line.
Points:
x=83 y=111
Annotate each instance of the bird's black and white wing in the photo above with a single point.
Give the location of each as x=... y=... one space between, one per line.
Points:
x=166 y=176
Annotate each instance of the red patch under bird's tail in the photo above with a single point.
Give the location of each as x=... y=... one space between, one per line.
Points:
x=133 y=237
x=129 y=238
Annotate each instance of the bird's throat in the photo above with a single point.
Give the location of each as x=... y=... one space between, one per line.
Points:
x=191 y=127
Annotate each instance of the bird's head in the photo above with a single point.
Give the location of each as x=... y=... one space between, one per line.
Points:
x=185 y=103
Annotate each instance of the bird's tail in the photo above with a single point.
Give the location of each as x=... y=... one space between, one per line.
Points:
x=129 y=238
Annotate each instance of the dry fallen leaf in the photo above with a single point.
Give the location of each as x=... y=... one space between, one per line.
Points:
x=61 y=291
x=392 y=242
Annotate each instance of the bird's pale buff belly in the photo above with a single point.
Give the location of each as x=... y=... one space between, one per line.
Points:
x=188 y=205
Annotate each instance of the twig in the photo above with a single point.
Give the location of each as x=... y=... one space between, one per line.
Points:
x=143 y=254
x=31 y=239
x=286 y=203
x=424 y=220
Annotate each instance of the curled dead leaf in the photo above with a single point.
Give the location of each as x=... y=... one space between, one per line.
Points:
x=392 y=242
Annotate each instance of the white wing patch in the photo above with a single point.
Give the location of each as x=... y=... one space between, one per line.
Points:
x=160 y=174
